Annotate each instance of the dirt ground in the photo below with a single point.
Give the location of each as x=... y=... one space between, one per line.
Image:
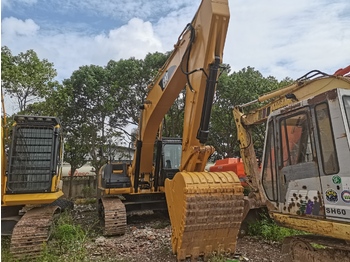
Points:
x=148 y=239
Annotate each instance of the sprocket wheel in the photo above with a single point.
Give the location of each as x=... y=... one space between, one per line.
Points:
x=293 y=249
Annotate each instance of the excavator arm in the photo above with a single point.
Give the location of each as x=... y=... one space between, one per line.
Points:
x=193 y=64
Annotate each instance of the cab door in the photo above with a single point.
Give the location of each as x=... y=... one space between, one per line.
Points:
x=297 y=166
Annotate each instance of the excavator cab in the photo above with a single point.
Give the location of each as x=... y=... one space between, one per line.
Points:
x=31 y=183
x=34 y=161
x=306 y=169
x=34 y=155
x=167 y=159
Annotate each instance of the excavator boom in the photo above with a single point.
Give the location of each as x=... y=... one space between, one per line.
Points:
x=194 y=62
x=205 y=208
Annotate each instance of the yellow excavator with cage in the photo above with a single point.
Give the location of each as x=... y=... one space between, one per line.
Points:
x=30 y=181
x=205 y=208
x=305 y=173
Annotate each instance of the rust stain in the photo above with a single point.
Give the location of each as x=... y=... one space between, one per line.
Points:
x=330 y=95
x=342 y=136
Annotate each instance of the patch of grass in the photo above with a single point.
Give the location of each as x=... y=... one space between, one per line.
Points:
x=68 y=239
x=67 y=243
x=267 y=229
x=318 y=246
x=5 y=249
x=85 y=201
x=88 y=192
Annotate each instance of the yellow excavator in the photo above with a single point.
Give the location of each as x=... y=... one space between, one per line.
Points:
x=30 y=181
x=305 y=174
x=205 y=208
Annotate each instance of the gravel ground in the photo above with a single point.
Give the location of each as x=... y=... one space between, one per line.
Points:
x=148 y=239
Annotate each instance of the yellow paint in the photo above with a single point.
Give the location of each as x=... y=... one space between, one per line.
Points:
x=205 y=210
x=116 y=191
x=54 y=183
x=330 y=228
x=300 y=91
x=30 y=199
x=210 y=24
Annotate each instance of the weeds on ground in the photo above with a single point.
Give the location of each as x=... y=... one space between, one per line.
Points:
x=5 y=249
x=68 y=239
x=88 y=192
x=267 y=229
x=85 y=201
x=67 y=243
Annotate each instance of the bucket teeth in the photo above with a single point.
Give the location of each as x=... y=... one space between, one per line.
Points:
x=206 y=211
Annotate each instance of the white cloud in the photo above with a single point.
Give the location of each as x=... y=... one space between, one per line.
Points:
x=289 y=39
x=277 y=39
x=169 y=27
x=134 y=39
x=70 y=50
x=13 y=26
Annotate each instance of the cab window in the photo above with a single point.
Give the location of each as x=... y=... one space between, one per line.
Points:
x=346 y=100
x=269 y=171
x=325 y=134
x=172 y=156
x=295 y=140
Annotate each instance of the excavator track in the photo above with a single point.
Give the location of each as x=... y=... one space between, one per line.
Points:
x=114 y=216
x=31 y=232
x=300 y=249
x=206 y=211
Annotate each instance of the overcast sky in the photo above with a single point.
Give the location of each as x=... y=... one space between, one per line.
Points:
x=278 y=38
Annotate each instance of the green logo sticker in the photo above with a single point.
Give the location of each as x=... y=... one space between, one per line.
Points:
x=336 y=179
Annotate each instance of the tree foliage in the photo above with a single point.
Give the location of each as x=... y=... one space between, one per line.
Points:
x=97 y=103
x=173 y=121
x=233 y=90
x=25 y=77
x=132 y=77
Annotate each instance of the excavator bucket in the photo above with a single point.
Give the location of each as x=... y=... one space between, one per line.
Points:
x=206 y=210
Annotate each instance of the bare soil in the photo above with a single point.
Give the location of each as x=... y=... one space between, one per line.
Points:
x=148 y=239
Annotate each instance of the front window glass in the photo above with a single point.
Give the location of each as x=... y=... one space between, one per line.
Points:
x=295 y=140
x=172 y=156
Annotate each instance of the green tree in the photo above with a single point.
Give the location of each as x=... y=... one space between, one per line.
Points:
x=93 y=100
x=232 y=90
x=173 y=121
x=76 y=150
x=132 y=77
x=25 y=77
x=106 y=99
